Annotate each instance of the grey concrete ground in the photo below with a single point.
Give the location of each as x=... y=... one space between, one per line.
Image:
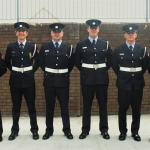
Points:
x=59 y=142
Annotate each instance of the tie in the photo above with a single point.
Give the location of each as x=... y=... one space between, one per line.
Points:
x=56 y=45
x=21 y=47
x=93 y=43
x=131 y=48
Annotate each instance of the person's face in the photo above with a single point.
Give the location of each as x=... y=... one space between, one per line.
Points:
x=130 y=37
x=21 y=34
x=93 y=32
x=57 y=35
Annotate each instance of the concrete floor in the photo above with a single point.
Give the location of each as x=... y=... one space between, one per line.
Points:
x=59 y=142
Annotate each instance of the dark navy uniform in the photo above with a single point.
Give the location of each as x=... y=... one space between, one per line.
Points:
x=1 y=127
x=124 y=57
x=56 y=59
x=87 y=54
x=130 y=65
x=93 y=63
x=3 y=70
x=56 y=63
x=22 y=63
x=21 y=59
x=149 y=64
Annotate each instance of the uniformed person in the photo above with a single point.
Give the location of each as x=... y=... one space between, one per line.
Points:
x=3 y=70
x=22 y=60
x=1 y=127
x=93 y=59
x=56 y=60
x=129 y=62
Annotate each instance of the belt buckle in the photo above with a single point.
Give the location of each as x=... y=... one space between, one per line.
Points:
x=56 y=71
x=132 y=69
x=95 y=66
x=22 y=70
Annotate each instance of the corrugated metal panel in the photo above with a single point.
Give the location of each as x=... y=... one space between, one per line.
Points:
x=74 y=10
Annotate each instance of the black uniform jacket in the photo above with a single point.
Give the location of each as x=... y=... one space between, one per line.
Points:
x=56 y=59
x=149 y=64
x=17 y=58
x=86 y=53
x=124 y=57
x=3 y=68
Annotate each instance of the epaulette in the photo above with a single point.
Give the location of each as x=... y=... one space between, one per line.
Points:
x=68 y=43
x=103 y=40
x=81 y=41
x=11 y=43
x=31 y=42
x=140 y=45
x=44 y=43
x=117 y=47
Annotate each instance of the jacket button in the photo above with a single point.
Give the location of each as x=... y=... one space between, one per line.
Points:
x=95 y=61
x=132 y=54
x=95 y=54
x=22 y=52
x=21 y=58
x=57 y=57
x=132 y=75
x=56 y=64
x=57 y=51
x=132 y=61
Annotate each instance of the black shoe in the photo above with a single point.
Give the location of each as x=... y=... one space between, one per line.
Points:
x=1 y=139
x=12 y=136
x=136 y=137
x=35 y=136
x=83 y=135
x=122 y=136
x=46 y=136
x=105 y=135
x=69 y=136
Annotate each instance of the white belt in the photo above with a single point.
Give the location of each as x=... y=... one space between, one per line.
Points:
x=93 y=65
x=131 y=69
x=56 y=70
x=23 y=69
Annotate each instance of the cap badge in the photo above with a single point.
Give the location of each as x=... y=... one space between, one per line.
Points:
x=56 y=27
x=93 y=23
x=130 y=28
x=20 y=25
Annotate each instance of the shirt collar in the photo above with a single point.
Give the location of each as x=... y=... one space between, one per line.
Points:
x=128 y=45
x=91 y=39
x=59 y=42
x=24 y=42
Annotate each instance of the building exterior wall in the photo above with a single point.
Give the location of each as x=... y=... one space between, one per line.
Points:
x=74 y=32
x=44 y=11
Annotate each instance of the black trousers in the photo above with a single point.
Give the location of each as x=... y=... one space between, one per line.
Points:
x=125 y=99
x=88 y=96
x=1 y=126
x=62 y=94
x=29 y=95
